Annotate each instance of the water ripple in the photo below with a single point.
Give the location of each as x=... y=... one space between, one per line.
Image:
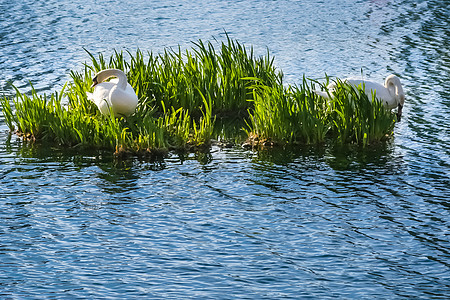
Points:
x=317 y=222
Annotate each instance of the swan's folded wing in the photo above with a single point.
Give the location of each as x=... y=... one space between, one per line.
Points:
x=101 y=97
x=124 y=101
x=102 y=91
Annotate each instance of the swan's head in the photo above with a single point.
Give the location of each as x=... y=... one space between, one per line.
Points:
x=395 y=88
x=105 y=74
x=400 y=107
x=94 y=81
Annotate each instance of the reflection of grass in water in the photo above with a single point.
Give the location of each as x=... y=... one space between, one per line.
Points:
x=230 y=130
x=182 y=93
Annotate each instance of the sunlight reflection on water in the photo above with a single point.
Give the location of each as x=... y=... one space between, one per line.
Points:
x=318 y=222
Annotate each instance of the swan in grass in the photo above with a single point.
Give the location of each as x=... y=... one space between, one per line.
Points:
x=391 y=94
x=117 y=94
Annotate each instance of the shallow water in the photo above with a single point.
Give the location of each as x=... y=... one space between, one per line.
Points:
x=315 y=222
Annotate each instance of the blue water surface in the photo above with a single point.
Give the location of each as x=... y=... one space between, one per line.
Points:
x=317 y=222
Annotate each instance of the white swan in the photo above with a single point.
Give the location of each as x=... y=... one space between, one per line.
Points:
x=117 y=94
x=391 y=94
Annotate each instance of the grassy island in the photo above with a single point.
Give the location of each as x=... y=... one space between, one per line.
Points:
x=182 y=93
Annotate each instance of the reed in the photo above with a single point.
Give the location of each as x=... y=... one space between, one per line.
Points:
x=181 y=93
x=295 y=114
x=179 y=78
x=288 y=115
x=357 y=118
x=45 y=118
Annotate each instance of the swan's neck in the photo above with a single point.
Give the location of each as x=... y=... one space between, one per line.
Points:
x=105 y=74
x=394 y=86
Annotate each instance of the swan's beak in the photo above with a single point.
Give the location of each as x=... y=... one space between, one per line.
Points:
x=94 y=82
x=400 y=106
x=399 y=112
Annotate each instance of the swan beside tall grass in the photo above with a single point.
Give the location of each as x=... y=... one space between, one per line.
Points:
x=391 y=94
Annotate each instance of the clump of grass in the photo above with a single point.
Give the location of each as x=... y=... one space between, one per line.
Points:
x=181 y=93
x=295 y=114
x=358 y=118
x=45 y=118
x=181 y=79
x=288 y=115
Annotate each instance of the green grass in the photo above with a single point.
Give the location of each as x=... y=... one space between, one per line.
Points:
x=79 y=124
x=356 y=118
x=180 y=95
x=181 y=79
x=295 y=114
x=288 y=115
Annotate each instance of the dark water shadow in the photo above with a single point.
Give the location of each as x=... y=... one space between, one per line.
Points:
x=116 y=175
x=337 y=157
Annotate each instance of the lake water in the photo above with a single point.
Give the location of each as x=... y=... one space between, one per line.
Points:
x=315 y=222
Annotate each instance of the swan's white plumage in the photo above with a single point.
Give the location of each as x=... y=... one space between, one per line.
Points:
x=117 y=94
x=391 y=94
